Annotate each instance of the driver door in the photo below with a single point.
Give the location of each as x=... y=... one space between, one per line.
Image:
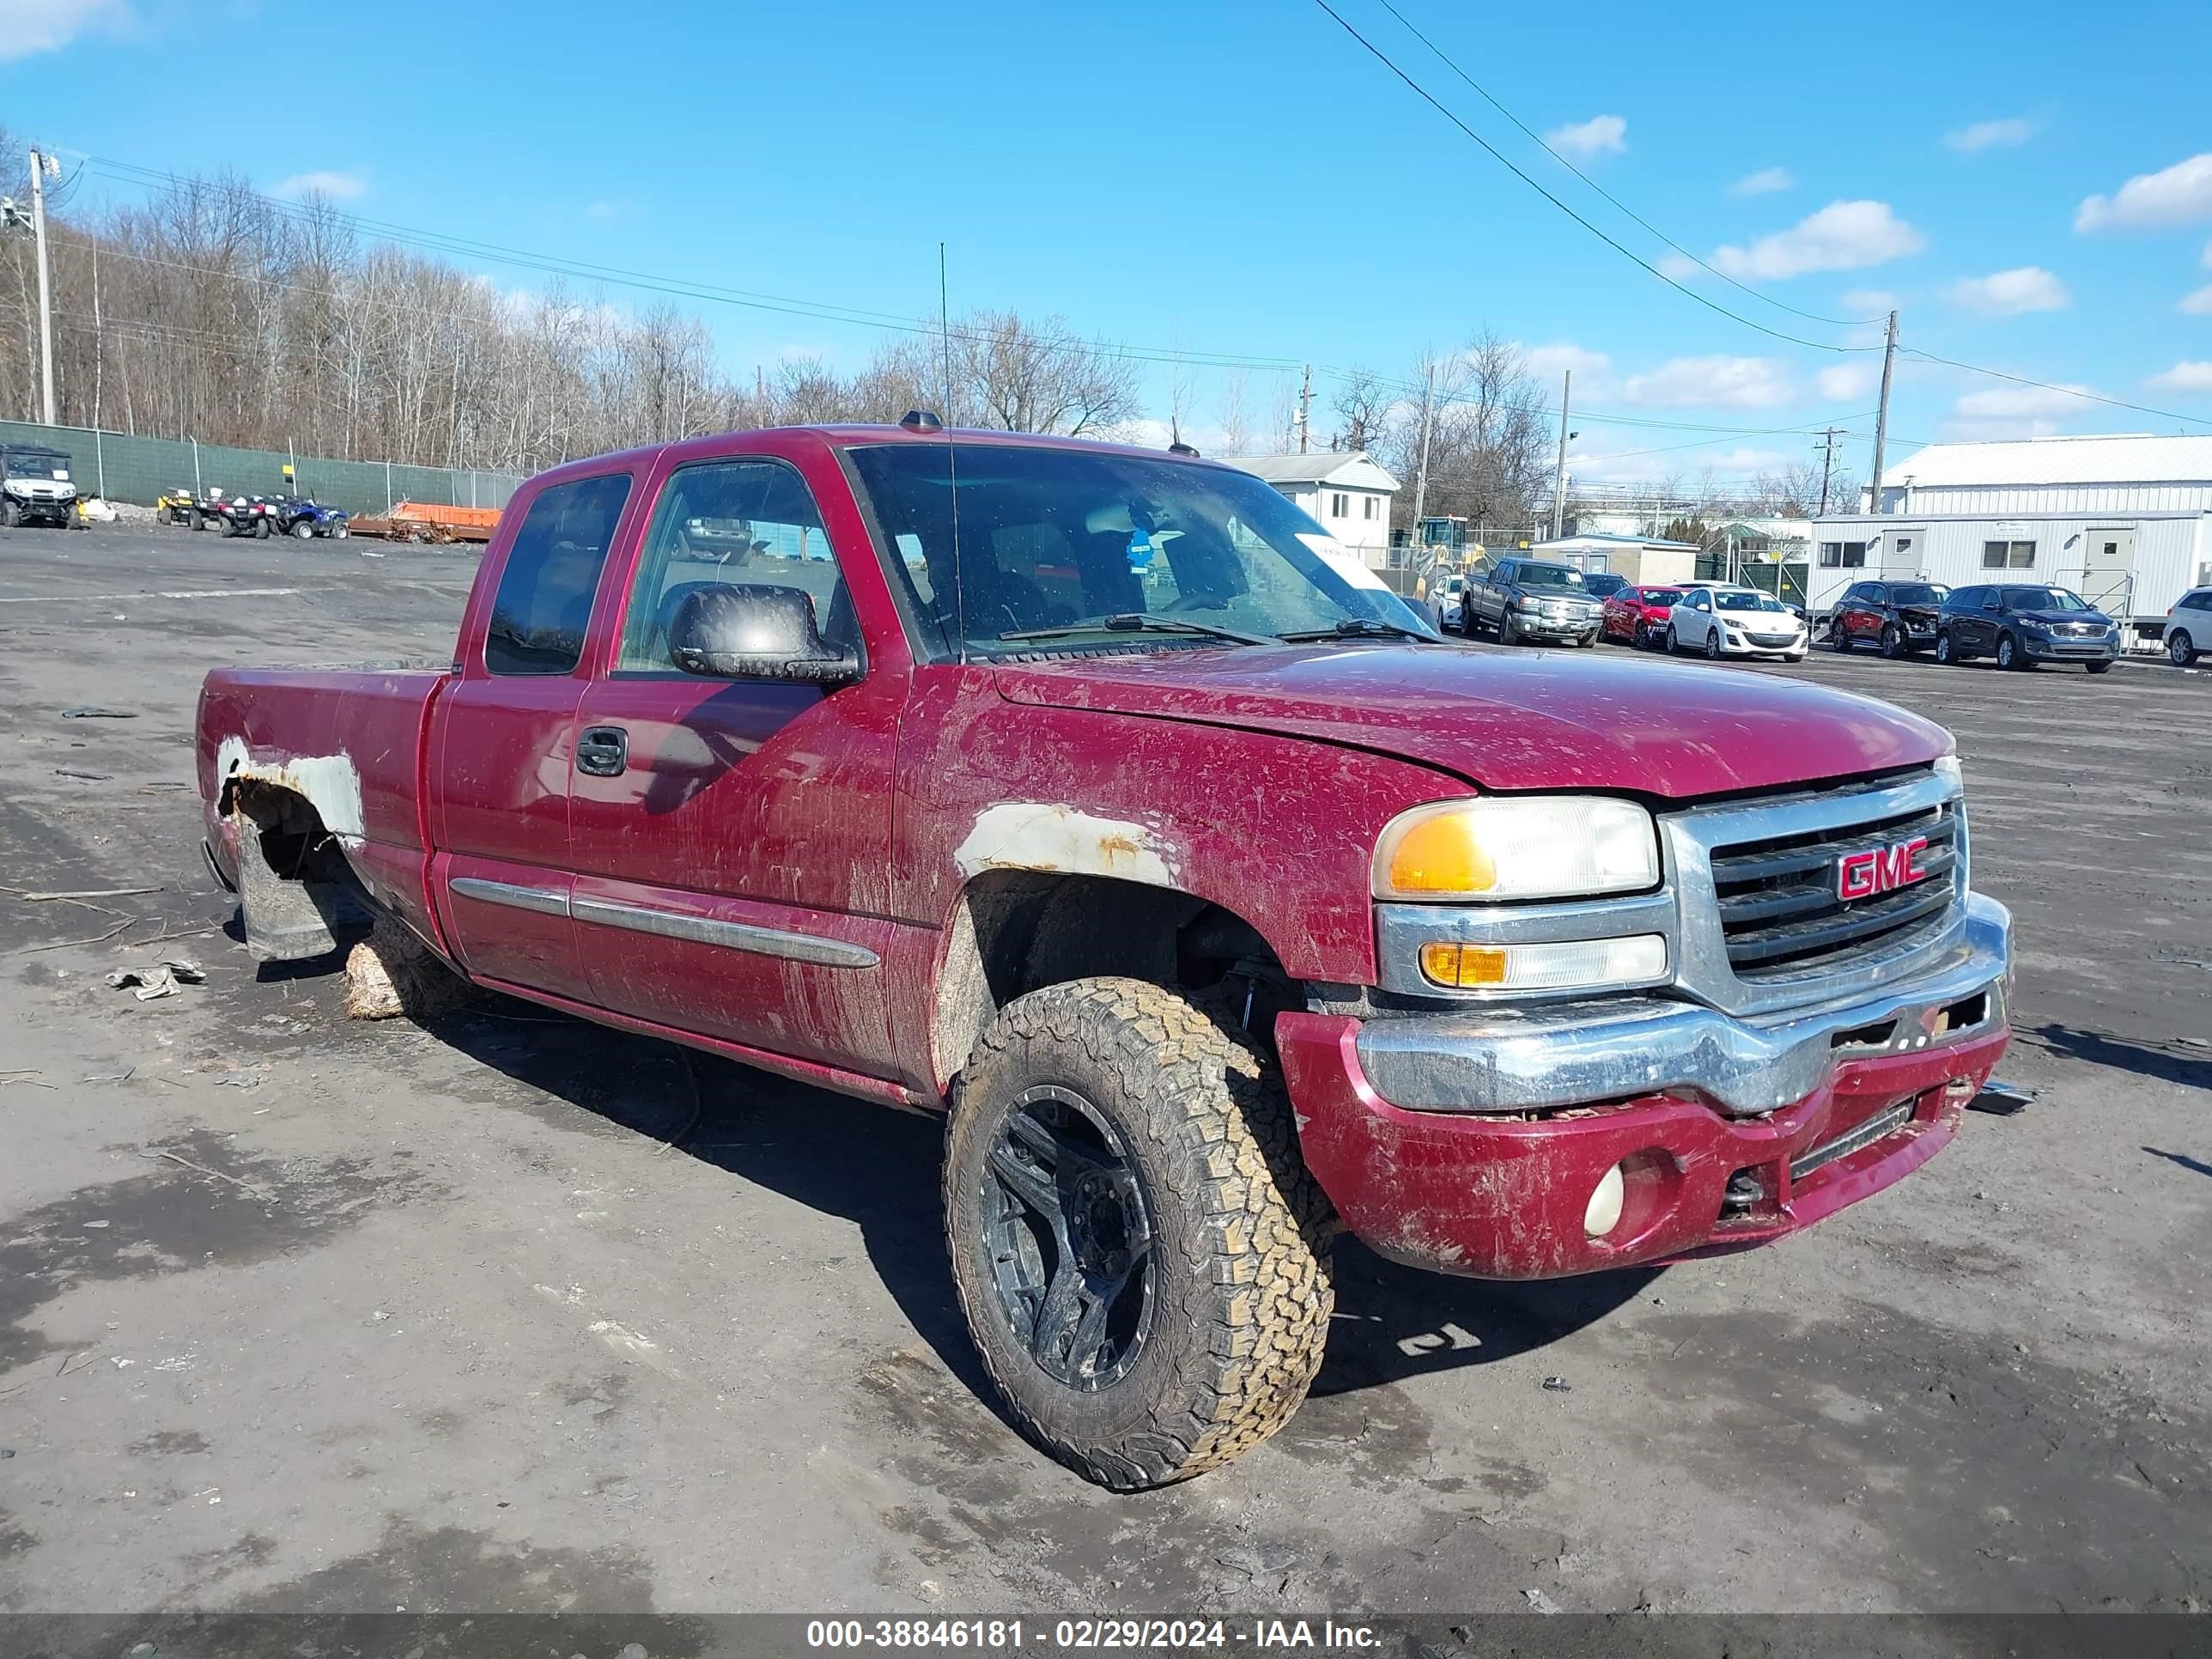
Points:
x=730 y=838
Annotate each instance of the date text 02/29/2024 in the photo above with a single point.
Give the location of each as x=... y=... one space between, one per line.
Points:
x=1123 y=1634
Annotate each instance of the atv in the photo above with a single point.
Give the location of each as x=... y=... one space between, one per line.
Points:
x=36 y=487
x=296 y=515
x=240 y=515
x=184 y=505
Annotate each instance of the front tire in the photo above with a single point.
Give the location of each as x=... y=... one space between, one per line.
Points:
x=1508 y=629
x=225 y=525
x=2180 y=649
x=1892 y=642
x=2009 y=655
x=1643 y=634
x=1140 y=1253
x=1673 y=641
x=2098 y=667
x=1839 y=637
x=1946 y=653
x=197 y=519
x=304 y=530
x=1713 y=645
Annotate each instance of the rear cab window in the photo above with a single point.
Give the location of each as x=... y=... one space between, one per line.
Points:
x=543 y=602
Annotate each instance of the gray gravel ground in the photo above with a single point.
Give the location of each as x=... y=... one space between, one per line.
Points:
x=434 y=1319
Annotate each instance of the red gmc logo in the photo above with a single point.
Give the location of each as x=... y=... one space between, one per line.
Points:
x=1880 y=869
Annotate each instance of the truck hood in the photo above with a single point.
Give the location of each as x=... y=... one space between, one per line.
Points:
x=1523 y=719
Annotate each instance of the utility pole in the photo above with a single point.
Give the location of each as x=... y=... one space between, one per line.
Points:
x=1421 y=478
x=1559 y=478
x=1827 y=465
x=1882 y=416
x=39 y=166
x=1306 y=407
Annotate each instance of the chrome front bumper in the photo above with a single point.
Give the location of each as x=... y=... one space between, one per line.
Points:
x=1548 y=1056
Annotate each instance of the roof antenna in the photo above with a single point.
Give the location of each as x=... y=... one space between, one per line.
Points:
x=951 y=459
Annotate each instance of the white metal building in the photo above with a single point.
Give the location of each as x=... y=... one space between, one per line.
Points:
x=1346 y=493
x=2124 y=521
x=1642 y=559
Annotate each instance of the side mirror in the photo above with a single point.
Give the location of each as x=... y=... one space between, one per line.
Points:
x=753 y=630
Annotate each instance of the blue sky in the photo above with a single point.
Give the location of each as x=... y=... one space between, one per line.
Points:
x=1244 y=179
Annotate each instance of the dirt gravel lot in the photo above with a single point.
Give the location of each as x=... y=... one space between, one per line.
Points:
x=301 y=1315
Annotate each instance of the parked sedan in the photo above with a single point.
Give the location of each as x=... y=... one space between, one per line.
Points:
x=1638 y=615
x=1445 y=594
x=1899 y=617
x=2021 y=626
x=2189 y=627
x=1736 y=622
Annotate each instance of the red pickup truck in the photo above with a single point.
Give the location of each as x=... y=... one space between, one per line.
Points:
x=1095 y=797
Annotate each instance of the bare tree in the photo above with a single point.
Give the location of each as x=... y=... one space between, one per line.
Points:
x=1236 y=419
x=1363 y=403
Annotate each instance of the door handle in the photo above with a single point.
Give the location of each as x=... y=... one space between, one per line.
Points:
x=603 y=751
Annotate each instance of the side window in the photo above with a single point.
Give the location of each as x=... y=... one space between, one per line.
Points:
x=545 y=598
x=1506 y=573
x=730 y=522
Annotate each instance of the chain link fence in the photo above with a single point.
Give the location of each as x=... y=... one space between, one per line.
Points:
x=120 y=468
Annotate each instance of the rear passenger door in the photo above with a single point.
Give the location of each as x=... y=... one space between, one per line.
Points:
x=499 y=741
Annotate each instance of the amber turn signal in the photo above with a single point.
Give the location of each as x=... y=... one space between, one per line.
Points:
x=1463 y=965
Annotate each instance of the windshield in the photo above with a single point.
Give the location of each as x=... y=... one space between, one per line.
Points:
x=1915 y=594
x=2041 y=598
x=1746 y=601
x=1068 y=539
x=1604 y=583
x=1550 y=575
x=34 y=462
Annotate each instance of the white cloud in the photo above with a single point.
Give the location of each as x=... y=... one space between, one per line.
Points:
x=1990 y=135
x=1764 y=182
x=1681 y=267
x=1602 y=135
x=2010 y=293
x=1841 y=236
x=2198 y=304
x=600 y=209
x=1869 y=299
x=1847 y=382
x=2181 y=193
x=337 y=185
x=2012 y=411
x=2206 y=261
x=1716 y=382
x=1547 y=362
x=30 y=26
x=2184 y=377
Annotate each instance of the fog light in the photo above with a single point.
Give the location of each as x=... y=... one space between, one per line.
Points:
x=1568 y=965
x=1602 y=1214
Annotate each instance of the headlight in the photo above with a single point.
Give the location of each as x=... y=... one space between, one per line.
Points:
x=1538 y=846
x=1948 y=766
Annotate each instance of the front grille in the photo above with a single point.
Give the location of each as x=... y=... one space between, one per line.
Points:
x=1779 y=906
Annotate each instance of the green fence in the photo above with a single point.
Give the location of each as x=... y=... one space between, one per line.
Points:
x=127 y=469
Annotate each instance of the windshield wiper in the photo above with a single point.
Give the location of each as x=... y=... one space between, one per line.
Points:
x=1137 y=622
x=1357 y=628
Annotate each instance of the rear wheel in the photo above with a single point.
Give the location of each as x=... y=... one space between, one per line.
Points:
x=261 y=529
x=225 y=525
x=2179 y=648
x=304 y=530
x=198 y=519
x=1140 y=1253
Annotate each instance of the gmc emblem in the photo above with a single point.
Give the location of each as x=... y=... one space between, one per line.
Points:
x=1880 y=869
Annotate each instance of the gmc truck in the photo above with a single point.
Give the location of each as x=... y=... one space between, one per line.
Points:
x=1098 y=799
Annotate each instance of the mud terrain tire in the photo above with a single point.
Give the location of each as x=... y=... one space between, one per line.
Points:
x=1236 y=1290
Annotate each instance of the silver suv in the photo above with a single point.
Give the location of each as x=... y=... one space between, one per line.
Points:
x=2189 y=627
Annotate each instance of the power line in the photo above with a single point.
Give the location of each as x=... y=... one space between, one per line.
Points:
x=2045 y=385
x=1625 y=253
x=1810 y=317
x=129 y=173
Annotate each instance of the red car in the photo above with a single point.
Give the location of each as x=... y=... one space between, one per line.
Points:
x=1091 y=797
x=1637 y=615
